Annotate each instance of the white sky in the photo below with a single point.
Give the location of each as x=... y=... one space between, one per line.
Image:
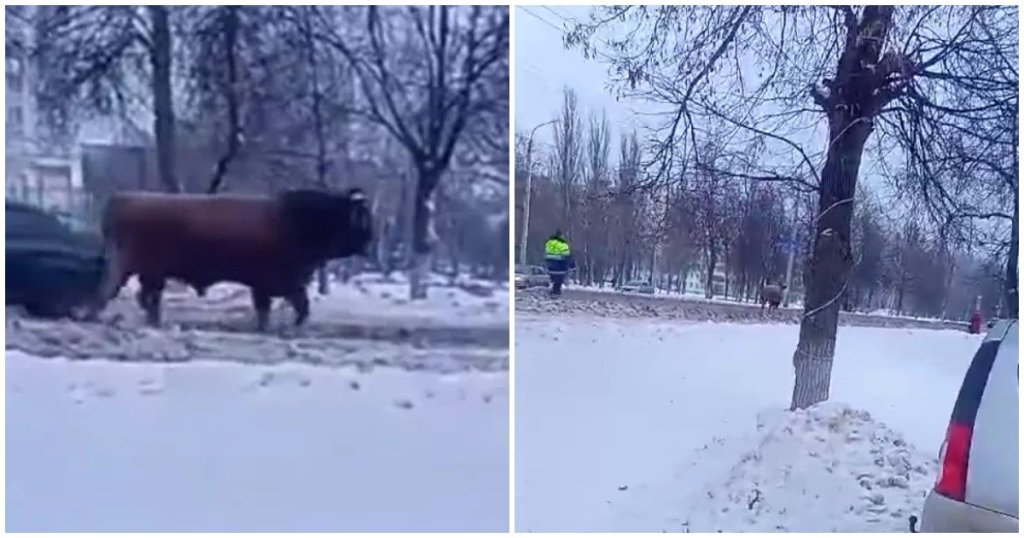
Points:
x=544 y=67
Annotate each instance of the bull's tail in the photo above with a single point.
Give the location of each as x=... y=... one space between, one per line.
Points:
x=113 y=273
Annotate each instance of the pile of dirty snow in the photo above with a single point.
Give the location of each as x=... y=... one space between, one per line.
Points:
x=829 y=468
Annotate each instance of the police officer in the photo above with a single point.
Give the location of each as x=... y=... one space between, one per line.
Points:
x=558 y=259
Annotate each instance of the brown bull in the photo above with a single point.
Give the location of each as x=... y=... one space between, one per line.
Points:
x=771 y=295
x=271 y=244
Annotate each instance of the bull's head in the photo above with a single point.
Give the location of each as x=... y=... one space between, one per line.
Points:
x=357 y=230
x=329 y=224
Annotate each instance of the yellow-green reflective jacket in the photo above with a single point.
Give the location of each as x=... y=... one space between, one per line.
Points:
x=556 y=249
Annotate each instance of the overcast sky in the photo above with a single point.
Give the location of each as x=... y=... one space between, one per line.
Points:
x=544 y=67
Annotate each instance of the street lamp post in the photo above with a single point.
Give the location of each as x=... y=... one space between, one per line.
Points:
x=529 y=191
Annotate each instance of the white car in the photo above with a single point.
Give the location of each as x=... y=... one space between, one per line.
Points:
x=531 y=276
x=637 y=286
x=976 y=490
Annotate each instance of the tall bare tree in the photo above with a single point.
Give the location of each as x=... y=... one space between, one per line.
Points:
x=568 y=154
x=426 y=74
x=593 y=236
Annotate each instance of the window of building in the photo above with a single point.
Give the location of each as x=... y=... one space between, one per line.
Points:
x=15 y=121
x=15 y=74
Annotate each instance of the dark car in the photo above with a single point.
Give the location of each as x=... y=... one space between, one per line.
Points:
x=52 y=270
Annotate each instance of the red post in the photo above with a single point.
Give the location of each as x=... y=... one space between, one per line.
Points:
x=975 y=322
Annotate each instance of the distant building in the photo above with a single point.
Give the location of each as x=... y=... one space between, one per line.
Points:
x=696 y=280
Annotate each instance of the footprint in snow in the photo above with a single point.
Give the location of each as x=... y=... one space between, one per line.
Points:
x=79 y=392
x=150 y=387
x=403 y=404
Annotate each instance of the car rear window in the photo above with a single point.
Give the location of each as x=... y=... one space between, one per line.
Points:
x=965 y=410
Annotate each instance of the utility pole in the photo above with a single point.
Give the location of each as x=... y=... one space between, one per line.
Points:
x=529 y=191
x=791 y=246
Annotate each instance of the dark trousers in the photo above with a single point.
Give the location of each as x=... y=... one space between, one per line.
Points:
x=556 y=283
x=557 y=268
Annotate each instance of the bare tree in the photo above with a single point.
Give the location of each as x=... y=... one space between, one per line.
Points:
x=958 y=127
x=426 y=73
x=568 y=154
x=593 y=234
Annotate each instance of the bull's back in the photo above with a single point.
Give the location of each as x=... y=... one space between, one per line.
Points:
x=771 y=293
x=197 y=238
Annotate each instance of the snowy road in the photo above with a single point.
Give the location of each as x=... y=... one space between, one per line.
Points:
x=381 y=415
x=652 y=425
x=199 y=446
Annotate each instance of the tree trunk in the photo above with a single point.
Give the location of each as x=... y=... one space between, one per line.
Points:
x=831 y=260
x=231 y=97
x=709 y=283
x=422 y=231
x=899 y=297
x=1012 y=278
x=323 y=284
x=160 y=55
x=855 y=96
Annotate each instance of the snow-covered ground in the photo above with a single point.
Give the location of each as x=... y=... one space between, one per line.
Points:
x=218 y=446
x=650 y=425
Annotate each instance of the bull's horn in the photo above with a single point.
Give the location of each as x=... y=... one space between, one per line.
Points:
x=356 y=194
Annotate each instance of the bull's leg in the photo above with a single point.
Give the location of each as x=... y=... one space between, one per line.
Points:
x=261 y=302
x=300 y=302
x=149 y=297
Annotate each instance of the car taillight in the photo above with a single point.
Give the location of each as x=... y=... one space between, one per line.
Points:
x=956 y=451
x=952 y=481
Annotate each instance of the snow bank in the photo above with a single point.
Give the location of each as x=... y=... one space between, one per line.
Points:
x=629 y=305
x=469 y=301
x=366 y=298
x=829 y=468
x=200 y=446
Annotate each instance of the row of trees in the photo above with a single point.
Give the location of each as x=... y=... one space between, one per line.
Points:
x=623 y=229
x=412 y=100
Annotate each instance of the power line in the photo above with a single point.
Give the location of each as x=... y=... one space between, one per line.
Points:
x=542 y=19
x=556 y=14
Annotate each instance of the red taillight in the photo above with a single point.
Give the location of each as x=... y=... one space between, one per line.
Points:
x=953 y=475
